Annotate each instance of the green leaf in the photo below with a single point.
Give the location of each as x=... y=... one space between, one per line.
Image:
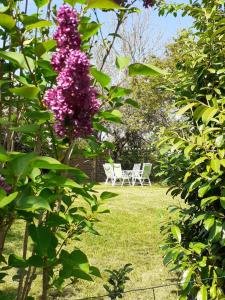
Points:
x=44 y=47
x=40 y=117
x=202 y=293
x=208 y=222
x=208 y=200
x=122 y=62
x=222 y=202
x=45 y=241
x=18 y=59
x=61 y=181
x=215 y=165
x=186 y=277
x=95 y=272
x=81 y=275
x=40 y=3
x=7 y=21
x=32 y=203
x=3 y=155
x=113 y=116
x=100 y=77
x=213 y=291
x=71 y=2
x=186 y=108
x=75 y=264
x=199 y=112
x=35 y=261
x=208 y=114
x=29 y=92
x=219 y=142
x=106 y=4
x=168 y=257
x=197 y=247
x=100 y=127
x=204 y=189
x=39 y=24
x=176 y=232
x=215 y=231
x=16 y=261
x=200 y=160
x=132 y=103
x=188 y=149
x=145 y=70
x=8 y=199
x=4 y=9
x=118 y=91
x=107 y=195
x=21 y=164
x=29 y=128
x=49 y=163
x=88 y=29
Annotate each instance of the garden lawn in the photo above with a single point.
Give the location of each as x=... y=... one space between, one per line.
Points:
x=129 y=234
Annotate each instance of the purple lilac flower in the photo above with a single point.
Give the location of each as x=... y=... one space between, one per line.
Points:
x=73 y=100
x=5 y=186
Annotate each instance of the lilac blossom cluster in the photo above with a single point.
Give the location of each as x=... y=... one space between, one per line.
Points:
x=73 y=100
x=5 y=186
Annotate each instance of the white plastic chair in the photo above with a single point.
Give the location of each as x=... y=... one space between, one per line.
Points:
x=143 y=175
x=119 y=174
x=135 y=171
x=108 y=168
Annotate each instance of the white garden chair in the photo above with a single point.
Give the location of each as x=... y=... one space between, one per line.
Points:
x=143 y=175
x=135 y=171
x=108 y=168
x=120 y=174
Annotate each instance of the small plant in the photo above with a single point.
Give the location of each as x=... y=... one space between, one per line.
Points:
x=117 y=280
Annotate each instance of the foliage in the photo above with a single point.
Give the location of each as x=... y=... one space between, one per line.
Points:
x=117 y=280
x=45 y=190
x=194 y=154
x=133 y=140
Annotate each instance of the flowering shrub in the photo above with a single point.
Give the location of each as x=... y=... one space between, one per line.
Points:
x=73 y=100
x=43 y=188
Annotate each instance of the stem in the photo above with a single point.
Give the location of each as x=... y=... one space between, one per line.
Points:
x=69 y=152
x=119 y=22
x=29 y=280
x=22 y=271
x=45 y=280
x=4 y=228
x=26 y=6
x=48 y=15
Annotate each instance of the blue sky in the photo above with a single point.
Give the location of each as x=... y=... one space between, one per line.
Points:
x=167 y=25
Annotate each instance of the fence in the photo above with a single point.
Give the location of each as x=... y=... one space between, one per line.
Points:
x=152 y=295
x=93 y=167
x=153 y=290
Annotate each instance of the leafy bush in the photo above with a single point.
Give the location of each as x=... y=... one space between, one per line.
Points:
x=195 y=164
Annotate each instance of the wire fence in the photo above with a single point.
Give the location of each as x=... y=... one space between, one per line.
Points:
x=153 y=289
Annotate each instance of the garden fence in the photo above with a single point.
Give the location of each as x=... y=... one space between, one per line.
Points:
x=152 y=289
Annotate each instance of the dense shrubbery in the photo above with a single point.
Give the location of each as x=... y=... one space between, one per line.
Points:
x=38 y=124
x=195 y=159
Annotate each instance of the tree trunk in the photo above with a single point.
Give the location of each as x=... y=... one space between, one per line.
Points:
x=45 y=280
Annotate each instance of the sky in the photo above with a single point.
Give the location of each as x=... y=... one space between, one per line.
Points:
x=166 y=26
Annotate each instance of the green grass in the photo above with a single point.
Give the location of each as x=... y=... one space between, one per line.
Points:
x=129 y=234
